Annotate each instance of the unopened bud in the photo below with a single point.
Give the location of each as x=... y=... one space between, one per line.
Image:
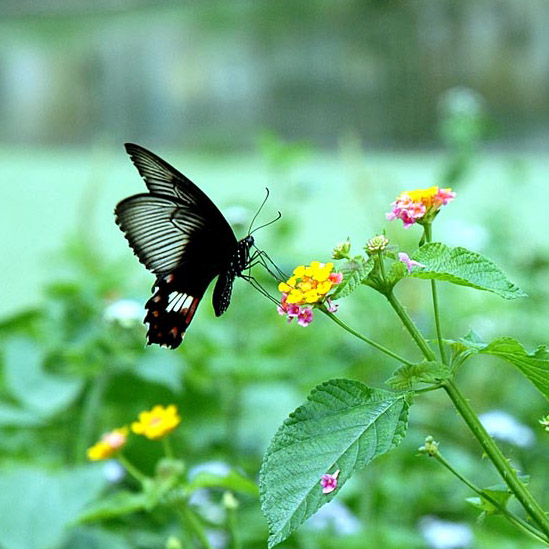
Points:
x=341 y=251
x=376 y=244
x=544 y=422
x=229 y=501
x=430 y=447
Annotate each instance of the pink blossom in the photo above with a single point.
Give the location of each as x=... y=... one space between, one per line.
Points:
x=305 y=316
x=405 y=258
x=444 y=196
x=336 y=278
x=329 y=482
x=331 y=306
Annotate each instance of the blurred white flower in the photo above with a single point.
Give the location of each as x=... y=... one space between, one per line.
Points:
x=125 y=312
x=442 y=534
x=113 y=471
x=218 y=468
x=504 y=426
x=335 y=516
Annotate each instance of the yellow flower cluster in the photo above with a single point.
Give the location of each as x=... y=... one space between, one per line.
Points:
x=153 y=424
x=310 y=284
x=157 y=423
x=433 y=196
x=109 y=444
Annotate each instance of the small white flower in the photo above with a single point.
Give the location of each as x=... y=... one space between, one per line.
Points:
x=125 y=312
x=113 y=471
x=504 y=426
x=442 y=534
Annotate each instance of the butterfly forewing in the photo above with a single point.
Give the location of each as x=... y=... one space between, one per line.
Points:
x=178 y=233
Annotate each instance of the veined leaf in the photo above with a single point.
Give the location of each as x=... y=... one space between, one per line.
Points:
x=354 y=272
x=534 y=366
x=465 y=268
x=343 y=426
x=405 y=377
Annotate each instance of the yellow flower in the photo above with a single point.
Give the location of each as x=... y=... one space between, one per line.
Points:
x=109 y=444
x=309 y=284
x=157 y=422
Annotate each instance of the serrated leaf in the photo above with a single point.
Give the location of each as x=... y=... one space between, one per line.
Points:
x=534 y=366
x=465 y=268
x=496 y=495
x=354 y=272
x=343 y=425
x=409 y=375
x=233 y=480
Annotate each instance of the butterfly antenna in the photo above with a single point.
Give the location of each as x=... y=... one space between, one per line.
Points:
x=267 y=224
x=259 y=211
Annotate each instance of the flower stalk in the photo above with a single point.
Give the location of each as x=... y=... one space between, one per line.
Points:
x=503 y=466
x=517 y=521
x=427 y=228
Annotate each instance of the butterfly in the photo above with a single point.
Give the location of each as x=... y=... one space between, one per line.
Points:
x=180 y=235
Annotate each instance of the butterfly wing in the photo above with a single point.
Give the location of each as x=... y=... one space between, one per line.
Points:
x=178 y=233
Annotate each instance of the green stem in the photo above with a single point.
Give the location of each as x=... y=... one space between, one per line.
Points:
x=371 y=342
x=428 y=237
x=90 y=408
x=410 y=326
x=131 y=468
x=167 y=445
x=192 y=520
x=231 y=518
x=508 y=474
x=517 y=521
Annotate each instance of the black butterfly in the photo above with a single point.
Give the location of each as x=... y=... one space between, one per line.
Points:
x=178 y=233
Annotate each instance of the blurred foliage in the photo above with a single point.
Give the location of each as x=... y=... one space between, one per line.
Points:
x=70 y=372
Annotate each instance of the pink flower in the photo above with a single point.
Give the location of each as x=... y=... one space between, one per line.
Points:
x=305 y=316
x=336 y=278
x=405 y=258
x=329 y=482
x=331 y=306
x=413 y=206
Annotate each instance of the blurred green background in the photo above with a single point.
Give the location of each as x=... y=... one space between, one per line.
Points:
x=336 y=107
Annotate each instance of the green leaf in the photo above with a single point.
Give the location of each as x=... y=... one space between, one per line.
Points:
x=37 y=507
x=344 y=425
x=500 y=494
x=118 y=504
x=233 y=480
x=27 y=381
x=534 y=366
x=465 y=268
x=405 y=377
x=354 y=272
x=161 y=368
x=12 y=416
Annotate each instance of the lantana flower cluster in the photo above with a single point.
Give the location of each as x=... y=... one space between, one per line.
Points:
x=153 y=424
x=419 y=205
x=308 y=286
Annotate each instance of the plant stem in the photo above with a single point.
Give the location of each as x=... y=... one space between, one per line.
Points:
x=192 y=520
x=371 y=342
x=167 y=446
x=131 y=468
x=517 y=521
x=410 y=326
x=508 y=474
x=428 y=237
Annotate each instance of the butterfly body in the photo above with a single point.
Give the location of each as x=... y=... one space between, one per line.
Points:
x=179 y=234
